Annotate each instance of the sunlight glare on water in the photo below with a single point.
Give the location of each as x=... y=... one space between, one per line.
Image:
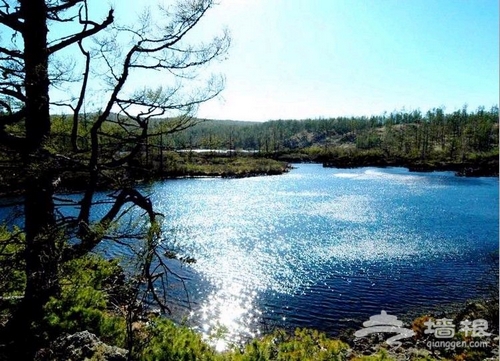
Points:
x=287 y=247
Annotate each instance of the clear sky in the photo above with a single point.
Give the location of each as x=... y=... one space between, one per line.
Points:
x=326 y=58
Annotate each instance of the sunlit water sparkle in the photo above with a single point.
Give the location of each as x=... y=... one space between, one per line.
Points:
x=322 y=247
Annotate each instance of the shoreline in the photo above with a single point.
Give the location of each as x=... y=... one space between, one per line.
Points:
x=75 y=184
x=416 y=347
x=460 y=169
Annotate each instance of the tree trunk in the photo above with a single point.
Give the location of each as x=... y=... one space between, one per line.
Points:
x=37 y=78
x=41 y=253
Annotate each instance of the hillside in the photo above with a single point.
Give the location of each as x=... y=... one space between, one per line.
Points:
x=463 y=141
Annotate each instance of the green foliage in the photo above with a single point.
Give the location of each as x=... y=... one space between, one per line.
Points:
x=84 y=303
x=464 y=141
x=90 y=298
x=166 y=341
x=304 y=345
x=434 y=136
x=368 y=140
x=381 y=355
x=455 y=136
x=171 y=342
x=12 y=276
x=195 y=164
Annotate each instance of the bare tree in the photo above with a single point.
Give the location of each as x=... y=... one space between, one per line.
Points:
x=30 y=70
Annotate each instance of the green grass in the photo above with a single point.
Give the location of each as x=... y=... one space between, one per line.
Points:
x=186 y=164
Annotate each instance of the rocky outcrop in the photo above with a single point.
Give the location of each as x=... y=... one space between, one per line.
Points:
x=81 y=346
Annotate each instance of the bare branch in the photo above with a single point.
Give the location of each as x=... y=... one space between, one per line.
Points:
x=83 y=89
x=11 y=53
x=12 y=20
x=12 y=118
x=82 y=35
x=18 y=94
x=91 y=238
x=64 y=6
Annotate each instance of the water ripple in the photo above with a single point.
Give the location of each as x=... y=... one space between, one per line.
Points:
x=319 y=247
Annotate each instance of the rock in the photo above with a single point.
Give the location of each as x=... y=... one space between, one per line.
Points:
x=81 y=346
x=349 y=354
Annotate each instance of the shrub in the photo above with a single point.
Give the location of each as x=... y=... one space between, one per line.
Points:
x=12 y=276
x=304 y=345
x=168 y=341
x=84 y=302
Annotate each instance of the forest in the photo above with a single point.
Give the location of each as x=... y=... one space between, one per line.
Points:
x=458 y=136
x=463 y=141
x=454 y=136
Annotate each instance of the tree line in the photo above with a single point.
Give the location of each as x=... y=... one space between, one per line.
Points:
x=457 y=137
x=434 y=135
x=453 y=135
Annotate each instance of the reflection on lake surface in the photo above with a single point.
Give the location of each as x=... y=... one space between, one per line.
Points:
x=323 y=247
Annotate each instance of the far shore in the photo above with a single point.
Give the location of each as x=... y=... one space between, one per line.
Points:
x=236 y=164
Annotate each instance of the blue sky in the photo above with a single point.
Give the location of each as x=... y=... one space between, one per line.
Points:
x=326 y=58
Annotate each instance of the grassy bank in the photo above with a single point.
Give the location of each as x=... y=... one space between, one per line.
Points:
x=484 y=164
x=169 y=164
x=190 y=164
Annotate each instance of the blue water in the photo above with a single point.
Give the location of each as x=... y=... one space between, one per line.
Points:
x=326 y=248
x=322 y=247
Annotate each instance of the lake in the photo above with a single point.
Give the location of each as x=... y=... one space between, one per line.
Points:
x=326 y=248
